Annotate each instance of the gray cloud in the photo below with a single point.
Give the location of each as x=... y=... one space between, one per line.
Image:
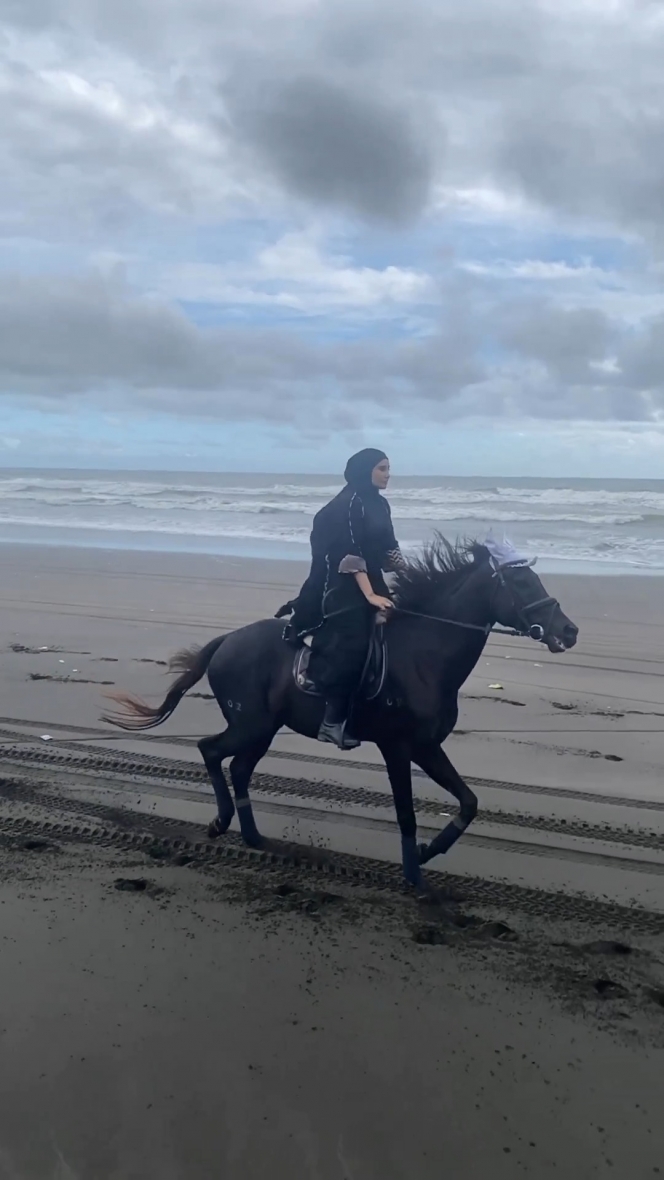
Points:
x=93 y=336
x=642 y=358
x=567 y=341
x=339 y=147
x=348 y=102
x=598 y=157
x=115 y=114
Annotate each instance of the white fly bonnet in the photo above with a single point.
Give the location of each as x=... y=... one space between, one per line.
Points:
x=503 y=553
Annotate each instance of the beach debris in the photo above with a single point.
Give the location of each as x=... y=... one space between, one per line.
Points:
x=609 y=988
x=131 y=884
x=67 y=679
x=430 y=936
x=498 y=930
x=61 y=661
x=497 y=687
x=35 y=845
x=607 y=947
x=46 y=737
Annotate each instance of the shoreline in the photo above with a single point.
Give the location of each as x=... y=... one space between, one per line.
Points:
x=289 y=553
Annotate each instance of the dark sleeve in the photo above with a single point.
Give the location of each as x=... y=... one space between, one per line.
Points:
x=353 y=561
x=394 y=558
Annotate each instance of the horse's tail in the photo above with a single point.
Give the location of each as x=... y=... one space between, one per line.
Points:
x=135 y=714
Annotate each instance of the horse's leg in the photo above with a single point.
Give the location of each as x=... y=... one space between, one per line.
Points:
x=397 y=761
x=213 y=751
x=438 y=767
x=242 y=767
x=242 y=746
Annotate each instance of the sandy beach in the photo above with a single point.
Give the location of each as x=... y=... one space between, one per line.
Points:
x=175 y=1008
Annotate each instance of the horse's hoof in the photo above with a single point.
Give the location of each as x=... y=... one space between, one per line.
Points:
x=414 y=879
x=254 y=841
x=219 y=827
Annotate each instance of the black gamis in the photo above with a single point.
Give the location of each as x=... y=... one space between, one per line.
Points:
x=352 y=533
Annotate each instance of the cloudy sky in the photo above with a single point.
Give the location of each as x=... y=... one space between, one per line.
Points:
x=253 y=234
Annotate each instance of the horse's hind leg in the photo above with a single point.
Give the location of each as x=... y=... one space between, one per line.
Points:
x=213 y=751
x=246 y=750
x=242 y=767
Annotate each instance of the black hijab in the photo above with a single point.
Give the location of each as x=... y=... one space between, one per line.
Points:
x=359 y=469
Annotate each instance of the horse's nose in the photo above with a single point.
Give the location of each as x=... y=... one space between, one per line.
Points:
x=570 y=634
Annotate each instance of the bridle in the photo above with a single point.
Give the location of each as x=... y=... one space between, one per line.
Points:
x=522 y=610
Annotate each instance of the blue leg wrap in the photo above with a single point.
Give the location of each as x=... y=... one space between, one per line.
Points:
x=250 y=833
x=411 y=860
x=443 y=842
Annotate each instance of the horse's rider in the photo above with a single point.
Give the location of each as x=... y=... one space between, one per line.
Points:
x=352 y=543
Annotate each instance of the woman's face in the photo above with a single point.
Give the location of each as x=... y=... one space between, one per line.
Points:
x=380 y=476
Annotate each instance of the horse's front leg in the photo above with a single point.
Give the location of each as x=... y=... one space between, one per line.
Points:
x=397 y=757
x=438 y=767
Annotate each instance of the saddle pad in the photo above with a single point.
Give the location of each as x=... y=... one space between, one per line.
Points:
x=374 y=676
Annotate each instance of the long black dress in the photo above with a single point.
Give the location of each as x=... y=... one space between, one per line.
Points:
x=352 y=533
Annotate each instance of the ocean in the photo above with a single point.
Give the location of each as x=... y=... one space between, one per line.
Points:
x=574 y=526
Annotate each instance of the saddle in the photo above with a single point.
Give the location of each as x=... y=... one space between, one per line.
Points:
x=373 y=677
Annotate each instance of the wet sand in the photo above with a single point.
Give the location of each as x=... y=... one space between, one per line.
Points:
x=298 y=1015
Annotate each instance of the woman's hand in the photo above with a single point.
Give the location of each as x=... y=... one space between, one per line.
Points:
x=379 y=602
x=375 y=600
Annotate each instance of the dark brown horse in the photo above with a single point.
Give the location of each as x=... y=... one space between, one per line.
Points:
x=447 y=603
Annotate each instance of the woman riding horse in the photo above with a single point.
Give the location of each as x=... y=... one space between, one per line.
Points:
x=352 y=544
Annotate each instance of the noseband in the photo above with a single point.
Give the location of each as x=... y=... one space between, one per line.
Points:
x=523 y=609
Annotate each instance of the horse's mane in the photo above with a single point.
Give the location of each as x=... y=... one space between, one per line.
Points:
x=436 y=572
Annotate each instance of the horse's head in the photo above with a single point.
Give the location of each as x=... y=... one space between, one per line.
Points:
x=521 y=601
x=501 y=580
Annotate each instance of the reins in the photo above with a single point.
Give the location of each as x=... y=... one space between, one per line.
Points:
x=487 y=630
x=417 y=614
x=536 y=631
